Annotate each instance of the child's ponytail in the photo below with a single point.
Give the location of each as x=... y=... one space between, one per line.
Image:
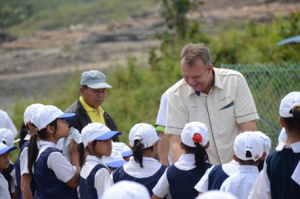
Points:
x=200 y=158
x=137 y=151
x=33 y=149
x=80 y=150
x=296 y=117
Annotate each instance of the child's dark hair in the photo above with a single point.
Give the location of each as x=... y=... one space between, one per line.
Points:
x=33 y=147
x=81 y=151
x=23 y=133
x=293 y=122
x=200 y=156
x=137 y=151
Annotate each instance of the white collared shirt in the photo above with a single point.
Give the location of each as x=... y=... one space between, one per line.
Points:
x=186 y=162
x=150 y=167
x=57 y=162
x=261 y=189
x=102 y=176
x=241 y=183
x=4 y=193
x=229 y=168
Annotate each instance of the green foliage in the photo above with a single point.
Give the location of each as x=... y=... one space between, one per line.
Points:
x=63 y=15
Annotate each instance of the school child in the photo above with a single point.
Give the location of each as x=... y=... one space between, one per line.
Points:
x=123 y=149
x=54 y=175
x=94 y=175
x=277 y=180
x=7 y=138
x=126 y=189
x=248 y=152
x=181 y=177
x=27 y=188
x=142 y=167
x=216 y=175
x=114 y=161
x=4 y=164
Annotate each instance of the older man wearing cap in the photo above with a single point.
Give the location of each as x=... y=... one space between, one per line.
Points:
x=88 y=106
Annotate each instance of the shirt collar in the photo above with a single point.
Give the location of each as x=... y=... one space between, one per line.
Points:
x=248 y=169
x=92 y=158
x=47 y=144
x=147 y=159
x=295 y=147
x=187 y=157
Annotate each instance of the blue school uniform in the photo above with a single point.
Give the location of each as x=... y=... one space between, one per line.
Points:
x=47 y=184
x=280 y=165
x=94 y=178
x=148 y=175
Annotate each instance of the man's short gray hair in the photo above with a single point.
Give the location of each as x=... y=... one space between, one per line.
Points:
x=192 y=52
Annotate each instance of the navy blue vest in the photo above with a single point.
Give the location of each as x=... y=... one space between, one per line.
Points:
x=87 y=189
x=216 y=178
x=47 y=184
x=182 y=183
x=18 y=174
x=280 y=167
x=119 y=174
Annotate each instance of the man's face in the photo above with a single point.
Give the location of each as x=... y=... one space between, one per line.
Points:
x=196 y=76
x=93 y=97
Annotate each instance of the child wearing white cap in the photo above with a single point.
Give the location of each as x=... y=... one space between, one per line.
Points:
x=114 y=161
x=7 y=138
x=216 y=175
x=142 y=167
x=94 y=175
x=4 y=164
x=248 y=152
x=125 y=151
x=54 y=175
x=25 y=184
x=181 y=177
x=278 y=179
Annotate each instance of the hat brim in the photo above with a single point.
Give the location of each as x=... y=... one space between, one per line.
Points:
x=99 y=85
x=66 y=116
x=127 y=153
x=108 y=135
x=6 y=149
x=116 y=164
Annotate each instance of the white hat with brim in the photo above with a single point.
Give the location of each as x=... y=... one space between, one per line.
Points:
x=122 y=148
x=7 y=136
x=290 y=101
x=144 y=132
x=47 y=114
x=4 y=148
x=96 y=131
x=94 y=79
x=30 y=112
x=115 y=160
x=197 y=129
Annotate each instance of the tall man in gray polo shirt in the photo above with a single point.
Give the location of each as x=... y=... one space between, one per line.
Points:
x=220 y=98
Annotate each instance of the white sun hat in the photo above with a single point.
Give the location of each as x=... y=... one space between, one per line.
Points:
x=195 y=132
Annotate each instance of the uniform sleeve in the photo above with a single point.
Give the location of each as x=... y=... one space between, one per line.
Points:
x=176 y=115
x=24 y=161
x=103 y=181
x=225 y=185
x=62 y=168
x=202 y=185
x=162 y=187
x=264 y=190
x=245 y=109
x=161 y=118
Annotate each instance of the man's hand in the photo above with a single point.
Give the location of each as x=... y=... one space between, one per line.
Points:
x=163 y=147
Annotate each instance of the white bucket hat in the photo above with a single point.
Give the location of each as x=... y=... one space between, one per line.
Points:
x=96 y=131
x=194 y=132
x=144 y=132
x=248 y=141
x=47 y=114
x=290 y=101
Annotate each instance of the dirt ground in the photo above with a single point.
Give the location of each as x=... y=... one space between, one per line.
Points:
x=49 y=56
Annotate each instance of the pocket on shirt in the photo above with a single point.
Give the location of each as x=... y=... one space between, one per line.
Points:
x=225 y=106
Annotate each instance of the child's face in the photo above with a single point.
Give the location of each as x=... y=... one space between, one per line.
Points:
x=103 y=148
x=62 y=129
x=4 y=161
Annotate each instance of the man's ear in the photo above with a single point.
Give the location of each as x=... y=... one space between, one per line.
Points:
x=81 y=90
